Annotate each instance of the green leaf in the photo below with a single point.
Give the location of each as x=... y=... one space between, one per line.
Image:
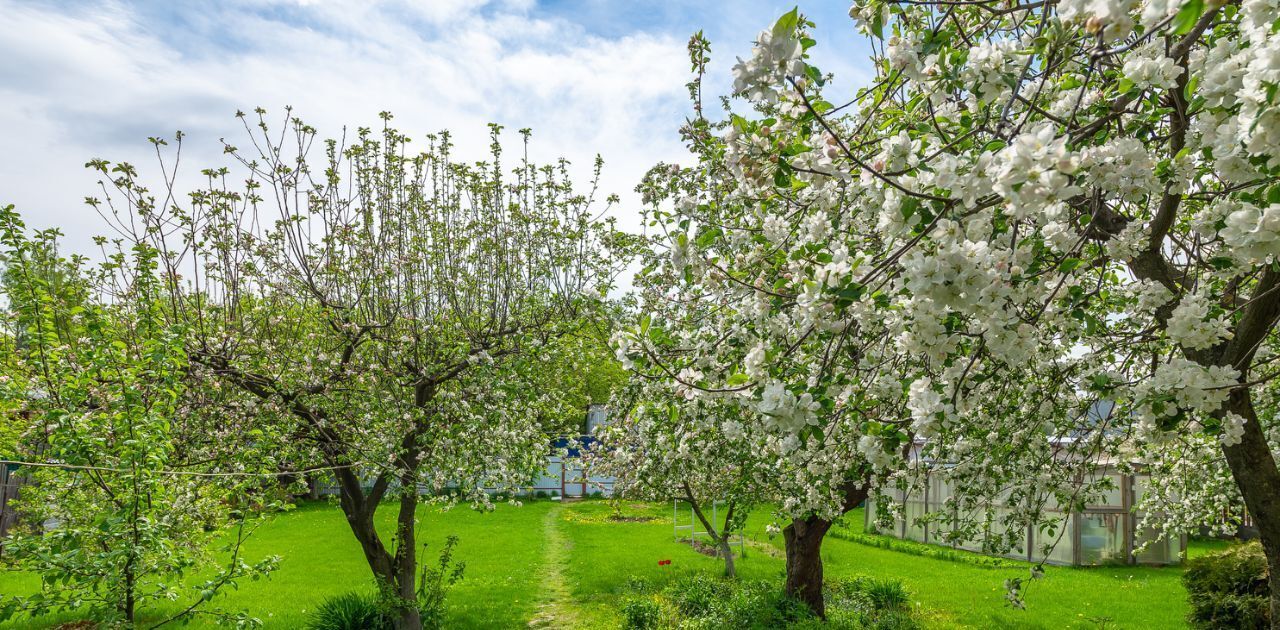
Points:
x=1187 y=17
x=1273 y=194
x=787 y=23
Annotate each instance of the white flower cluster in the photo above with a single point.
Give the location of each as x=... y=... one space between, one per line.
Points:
x=1148 y=67
x=1252 y=234
x=776 y=57
x=1259 y=119
x=1191 y=327
x=1113 y=19
x=927 y=407
x=1122 y=167
x=1180 y=385
x=989 y=68
x=1232 y=429
x=1035 y=171
x=784 y=410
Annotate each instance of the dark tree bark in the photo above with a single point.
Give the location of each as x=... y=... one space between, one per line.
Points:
x=406 y=565
x=803 y=542
x=726 y=553
x=1251 y=462
x=1255 y=472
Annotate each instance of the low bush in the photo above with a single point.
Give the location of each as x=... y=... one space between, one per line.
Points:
x=700 y=602
x=360 y=611
x=936 y=552
x=1228 y=589
x=350 y=611
x=641 y=613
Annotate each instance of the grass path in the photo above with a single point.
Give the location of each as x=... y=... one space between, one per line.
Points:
x=557 y=609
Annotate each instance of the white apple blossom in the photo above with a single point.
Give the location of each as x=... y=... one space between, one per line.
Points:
x=1192 y=327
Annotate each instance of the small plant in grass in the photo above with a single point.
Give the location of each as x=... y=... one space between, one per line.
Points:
x=1229 y=589
x=435 y=583
x=698 y=595
x=641 y=613
x=350 y=611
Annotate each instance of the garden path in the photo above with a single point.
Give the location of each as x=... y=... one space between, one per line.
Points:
x=557 y=609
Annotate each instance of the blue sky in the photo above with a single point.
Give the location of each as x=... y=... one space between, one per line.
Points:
x=86 y=79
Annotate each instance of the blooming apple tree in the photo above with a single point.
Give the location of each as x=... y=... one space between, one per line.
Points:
x=661 y=447
x=1034 y=207
x=383 y=306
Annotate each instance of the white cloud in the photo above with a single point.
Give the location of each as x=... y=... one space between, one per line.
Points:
x=95 y=82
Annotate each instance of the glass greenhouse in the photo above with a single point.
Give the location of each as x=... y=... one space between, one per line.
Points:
x=1105 y=533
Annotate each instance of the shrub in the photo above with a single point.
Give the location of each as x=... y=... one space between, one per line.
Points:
x=921 y=549
x=350 y=611
x=541 y=494
x=698 y=602
x=885 y=593
x=715 y=602
x=641 y=613
x=435 y=583
x=697 y=595
x=1228 y=589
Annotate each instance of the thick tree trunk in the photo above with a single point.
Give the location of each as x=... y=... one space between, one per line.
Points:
x=1258 y=478
x=410 y=616
x=803 y=539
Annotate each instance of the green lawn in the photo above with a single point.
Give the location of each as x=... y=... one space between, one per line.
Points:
x=565 y=565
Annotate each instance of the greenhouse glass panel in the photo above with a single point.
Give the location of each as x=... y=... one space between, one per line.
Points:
x=1102 y=538
x=1158 y=552
x=1062 y=541
x=1112 y=497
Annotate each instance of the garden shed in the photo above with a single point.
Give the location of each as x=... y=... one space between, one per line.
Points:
x=1103 y=533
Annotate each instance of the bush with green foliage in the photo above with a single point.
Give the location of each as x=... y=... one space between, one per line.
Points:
x=361 y=611
x=350 y=611
x=435 y=582
x=702 y=601
x=1229 y=589
x=641 y=613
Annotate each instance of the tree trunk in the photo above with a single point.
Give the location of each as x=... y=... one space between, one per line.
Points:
x=720 y=538
x=410 y=616
x=726 y=552
x=803 y=539
x=1258 y=478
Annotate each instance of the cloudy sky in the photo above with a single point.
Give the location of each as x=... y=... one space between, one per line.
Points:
x=83 y=80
